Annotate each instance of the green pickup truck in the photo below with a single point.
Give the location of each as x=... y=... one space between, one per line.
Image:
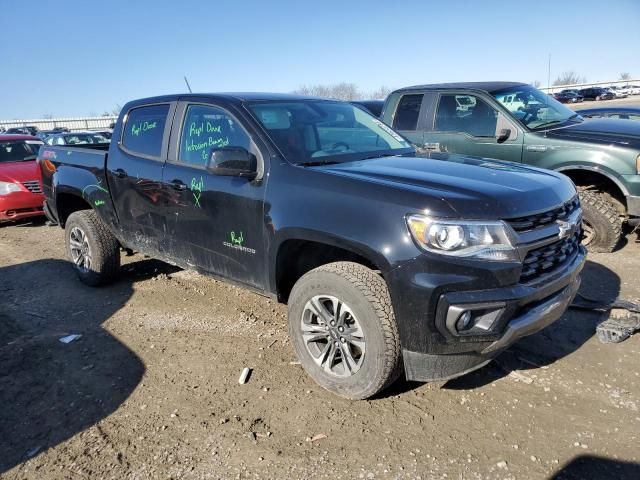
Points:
x=516 y=122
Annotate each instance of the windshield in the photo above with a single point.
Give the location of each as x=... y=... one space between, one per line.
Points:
x=322 y=131
x=18 y=150
x=534 y=108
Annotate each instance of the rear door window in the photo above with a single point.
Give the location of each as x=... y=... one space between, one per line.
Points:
x=408 y=112
x=144 y=130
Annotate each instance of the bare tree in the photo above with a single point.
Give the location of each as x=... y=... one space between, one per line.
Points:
x=569 y=78
x=381 y=92
x=536 y=83
x=625 y=76
x=342 y=91
x=48 y=116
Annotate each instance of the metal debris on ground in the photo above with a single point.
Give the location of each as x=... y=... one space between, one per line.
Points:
x=620 y=325
x=618 y=329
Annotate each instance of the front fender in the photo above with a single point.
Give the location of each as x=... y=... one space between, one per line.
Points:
x=378 y=259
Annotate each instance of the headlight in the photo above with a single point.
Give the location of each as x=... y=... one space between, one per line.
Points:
x=475 y=239
x=7 y=187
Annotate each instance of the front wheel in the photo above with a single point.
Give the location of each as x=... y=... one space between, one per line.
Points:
x=92 y=248
x=601 y=222
x=343 y=329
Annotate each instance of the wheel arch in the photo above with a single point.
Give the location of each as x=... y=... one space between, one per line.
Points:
x=596 y=178
x=301 y=252
x=68 y=202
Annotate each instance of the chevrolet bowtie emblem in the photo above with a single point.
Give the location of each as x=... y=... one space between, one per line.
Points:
x=565 y=228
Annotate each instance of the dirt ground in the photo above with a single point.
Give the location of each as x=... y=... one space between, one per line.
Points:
x=151 y=388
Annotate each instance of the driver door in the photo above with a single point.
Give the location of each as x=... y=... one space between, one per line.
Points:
x=467 y=124
x=214 y=222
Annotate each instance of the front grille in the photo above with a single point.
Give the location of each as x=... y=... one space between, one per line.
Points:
x=33 y=186
x=532 y=222
x=546 y=259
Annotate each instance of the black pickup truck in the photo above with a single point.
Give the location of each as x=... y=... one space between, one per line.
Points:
x=386 y=260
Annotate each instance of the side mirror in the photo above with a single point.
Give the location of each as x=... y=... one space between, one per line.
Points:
x=233 y=162
x=504 y=135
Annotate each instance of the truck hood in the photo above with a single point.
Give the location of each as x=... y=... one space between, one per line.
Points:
x=470 y=187
x=602 y=130
x=19 y=171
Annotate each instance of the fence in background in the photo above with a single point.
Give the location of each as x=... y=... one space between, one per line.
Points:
x=578 y=86
x=79 y=123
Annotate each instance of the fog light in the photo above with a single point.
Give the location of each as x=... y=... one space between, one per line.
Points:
x=464 y=321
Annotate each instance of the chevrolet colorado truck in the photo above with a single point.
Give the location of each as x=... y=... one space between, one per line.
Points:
x=388 y=262
x=516 y=122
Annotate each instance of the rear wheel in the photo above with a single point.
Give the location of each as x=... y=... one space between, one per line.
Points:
x=92 y=248
x=601 y=222
x=343 y=329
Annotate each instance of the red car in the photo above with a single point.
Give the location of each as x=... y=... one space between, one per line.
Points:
x=20 y=187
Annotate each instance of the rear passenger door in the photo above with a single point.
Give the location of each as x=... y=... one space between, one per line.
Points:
x=134 y=173
x=467 y=124
x=408 y=118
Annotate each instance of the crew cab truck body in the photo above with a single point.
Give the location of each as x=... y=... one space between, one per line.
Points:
x=386 y=260
x=516 y=122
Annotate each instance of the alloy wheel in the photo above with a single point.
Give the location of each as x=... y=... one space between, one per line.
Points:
x=333 y=336
x=79 y=249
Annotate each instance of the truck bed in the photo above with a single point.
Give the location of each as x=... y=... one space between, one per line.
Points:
x=78 y=170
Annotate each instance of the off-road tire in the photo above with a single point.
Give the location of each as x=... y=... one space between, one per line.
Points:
x=601 y=215
x=104 y=248
x=366 y=294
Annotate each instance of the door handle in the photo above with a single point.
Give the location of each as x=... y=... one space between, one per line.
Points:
x=120 y=173
x=178 y=185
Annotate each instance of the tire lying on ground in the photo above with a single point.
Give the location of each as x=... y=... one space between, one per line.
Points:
x=343 y=329
x=92 y=248
x=601 y=222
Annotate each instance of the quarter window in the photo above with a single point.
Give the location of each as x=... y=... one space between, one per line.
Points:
x=144 y=130
x=408 y=111
x=468 y=114
x=208 y=128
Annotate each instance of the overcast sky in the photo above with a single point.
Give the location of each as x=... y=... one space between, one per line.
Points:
x=73 y=57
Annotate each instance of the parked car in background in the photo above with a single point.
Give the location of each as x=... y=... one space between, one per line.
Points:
x=76 y=138
x=385 y=260
x=624 y=113
x=20 y=190
x=634 y=89
x=617 y=92
x=374 y=107
x=568 y=97
x=571 y=90
x=105 y=133
x=26 y=130
x=596 y=93
x=517 y=122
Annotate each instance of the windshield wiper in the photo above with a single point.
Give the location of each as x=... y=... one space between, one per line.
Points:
x=315 y=163
x=553 y=122
x=380 y=155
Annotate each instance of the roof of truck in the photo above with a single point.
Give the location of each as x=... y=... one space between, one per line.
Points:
x=229 y=96
x=484 y=86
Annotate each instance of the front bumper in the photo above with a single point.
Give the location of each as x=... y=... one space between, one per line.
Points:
x=523 y=309
x=18 y=205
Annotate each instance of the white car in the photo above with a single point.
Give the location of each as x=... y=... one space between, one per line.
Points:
x=616 y=91
x=633 y=89
x=625 y=90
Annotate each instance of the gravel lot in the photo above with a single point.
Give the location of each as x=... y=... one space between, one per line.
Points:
x=151 y=388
